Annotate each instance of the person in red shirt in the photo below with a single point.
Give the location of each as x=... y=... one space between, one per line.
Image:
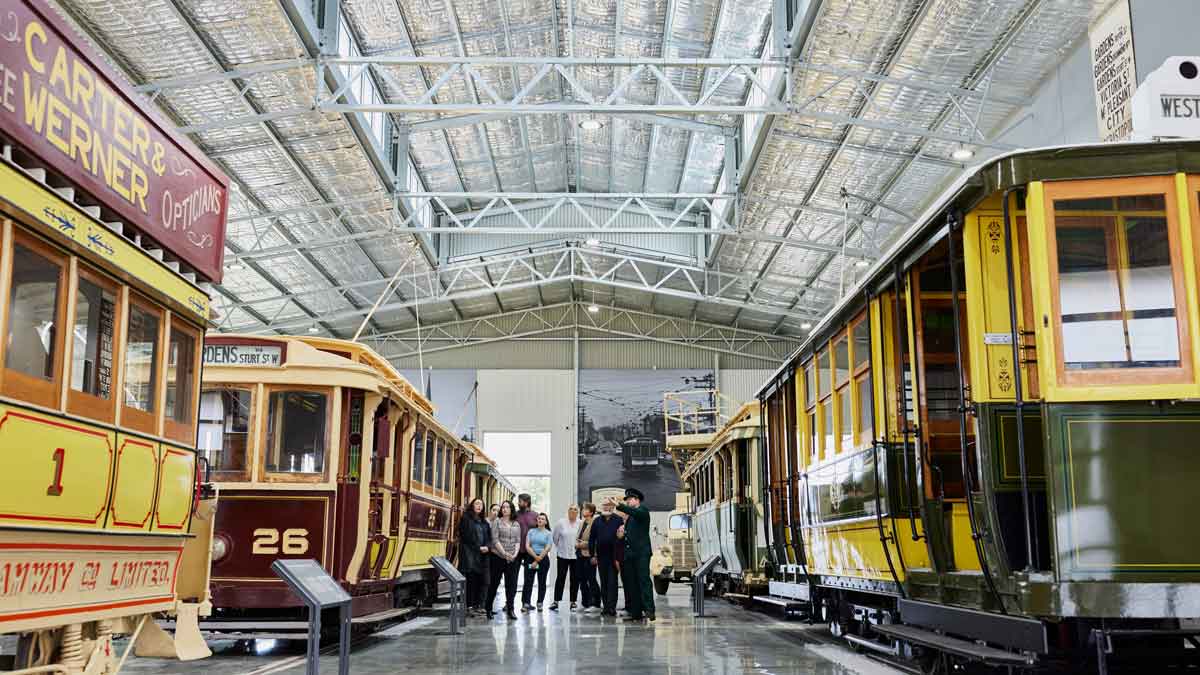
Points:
x=527 y=518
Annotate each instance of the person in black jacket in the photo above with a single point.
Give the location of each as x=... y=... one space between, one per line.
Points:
x=474 y=538
x=603 y=544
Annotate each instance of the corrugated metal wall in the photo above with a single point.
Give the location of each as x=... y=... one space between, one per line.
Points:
x=740 y=385
x=534 y=400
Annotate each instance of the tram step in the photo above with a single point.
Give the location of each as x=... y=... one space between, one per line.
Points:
x=385 y=615
x=736 y=596
x=243 y=626
x=787 y=603
x=951 y=645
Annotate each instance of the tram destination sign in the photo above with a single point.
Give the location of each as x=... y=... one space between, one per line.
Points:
x=243 y=355
x=63 y=103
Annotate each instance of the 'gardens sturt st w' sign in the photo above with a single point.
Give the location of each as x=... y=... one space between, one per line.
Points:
x=65 y=106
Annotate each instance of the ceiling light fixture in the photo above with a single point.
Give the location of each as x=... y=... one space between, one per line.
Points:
x=593 y=308
x=591 y=125
x=862 y=262
x=592 y=241
x=806 y=326
x=962 y=153
x=313 y=330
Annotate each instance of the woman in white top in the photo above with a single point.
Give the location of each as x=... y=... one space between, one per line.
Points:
x=566 y=533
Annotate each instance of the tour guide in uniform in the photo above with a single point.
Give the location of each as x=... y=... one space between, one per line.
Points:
x=640 y=593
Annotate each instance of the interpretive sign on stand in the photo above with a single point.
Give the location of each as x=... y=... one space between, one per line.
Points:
x=319 y=591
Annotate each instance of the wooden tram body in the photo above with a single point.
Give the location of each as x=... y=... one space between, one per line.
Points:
x=321 y=449
x=102 y=274
x=725 y=484
x=1018 y=478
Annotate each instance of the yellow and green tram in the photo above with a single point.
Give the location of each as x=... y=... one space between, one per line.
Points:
x=988 y=450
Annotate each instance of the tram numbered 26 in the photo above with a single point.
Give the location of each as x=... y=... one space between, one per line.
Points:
x=108 y=239
x=321 y=449
x=986 y=452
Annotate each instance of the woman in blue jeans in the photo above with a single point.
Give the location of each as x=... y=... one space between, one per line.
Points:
x=538 y=544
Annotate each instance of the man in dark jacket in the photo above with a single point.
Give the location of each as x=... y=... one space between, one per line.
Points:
x=527 y=517
x=602 y=543
x=640 y=592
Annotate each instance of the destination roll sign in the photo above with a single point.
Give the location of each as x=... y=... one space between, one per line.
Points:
x=242 y=355
x=63 y=104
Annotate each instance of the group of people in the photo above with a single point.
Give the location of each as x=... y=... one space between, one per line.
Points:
x=497 y=544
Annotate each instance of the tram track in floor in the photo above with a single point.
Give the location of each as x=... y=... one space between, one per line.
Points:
x=387 y=629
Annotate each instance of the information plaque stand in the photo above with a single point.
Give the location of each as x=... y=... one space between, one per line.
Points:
x=457 y=584
x=699 y=579
x=319 y=591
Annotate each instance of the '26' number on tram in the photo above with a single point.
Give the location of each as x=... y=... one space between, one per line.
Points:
x=267 y=541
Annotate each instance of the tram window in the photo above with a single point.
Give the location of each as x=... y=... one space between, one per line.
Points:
x=862 y=343
x=296 y=432
x=430 y=449
x=1116 y=283
x=841 y=359
x=93 y=334
x=846 y=422
x=814 y=449
x=418 y=453
x=680 y=521
x=141 y=358
x=827 y=426
x=810 y=385
x=181 y=376
x=865 y=430
x=224 y=437
x=33 y=313
x=824 y=375
x=441 y=465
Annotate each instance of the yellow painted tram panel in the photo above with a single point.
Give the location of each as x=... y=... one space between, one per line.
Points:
x=417 y=553
x=135 y=484
x=176 y=481
x=57 y=471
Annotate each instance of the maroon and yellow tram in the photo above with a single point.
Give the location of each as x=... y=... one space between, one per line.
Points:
x=321 y=449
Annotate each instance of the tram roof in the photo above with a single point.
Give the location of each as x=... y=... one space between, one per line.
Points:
x=1012 y=169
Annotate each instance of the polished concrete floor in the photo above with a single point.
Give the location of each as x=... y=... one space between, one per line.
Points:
x=732 y=641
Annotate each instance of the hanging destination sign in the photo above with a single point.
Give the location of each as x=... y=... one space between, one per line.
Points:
x=63 y=104
x=1114 y=73
x=242 y=355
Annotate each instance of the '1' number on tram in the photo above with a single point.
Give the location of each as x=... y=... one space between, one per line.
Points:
x=56 y=488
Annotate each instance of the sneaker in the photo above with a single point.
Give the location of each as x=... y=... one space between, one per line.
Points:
x=591 y=610
x=526 y=607
x=573 y=605
x=539 y=607
x=554 y=607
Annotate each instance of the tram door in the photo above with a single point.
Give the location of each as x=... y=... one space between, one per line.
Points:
x=381 y=448
x=941 y=377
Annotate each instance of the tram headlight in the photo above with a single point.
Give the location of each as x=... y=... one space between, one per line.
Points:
x=220 y=547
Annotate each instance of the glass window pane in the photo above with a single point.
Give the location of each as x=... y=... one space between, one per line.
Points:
x=441 y=464
x=810 y=386
x=430 y=445
x=865 y=410
x=224 y=437
x=846 y=423
x=33 y=314
x=1116 y=284
x=141 y=359
x=862 y=343
x=181 y=375
x=296 y=432
x=827 y=426
x=418 y=455
x=812 y=436
x=92 y=353
x=841 y=358
x=824 y=375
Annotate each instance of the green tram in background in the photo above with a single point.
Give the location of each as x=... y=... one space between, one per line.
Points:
x=988 y=453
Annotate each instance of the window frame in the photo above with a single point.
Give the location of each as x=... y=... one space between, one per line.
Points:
x=133 y=418
x=14 y=383
x=80 y=402
x=860 y=378
x=416 y=470
x=828 y=447
x=172 y=429
x=265 y=430
x=1119 y=187
x=252 y=424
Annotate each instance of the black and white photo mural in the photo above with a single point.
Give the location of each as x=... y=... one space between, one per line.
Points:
x=622 y=431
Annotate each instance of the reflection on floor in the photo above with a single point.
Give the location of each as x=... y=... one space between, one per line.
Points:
x=561 y=643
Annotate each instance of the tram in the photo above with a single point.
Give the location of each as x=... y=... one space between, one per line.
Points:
x=724 y=481
x=986 y=452
x=640 y=453
x=102 y=521
x=321 y=449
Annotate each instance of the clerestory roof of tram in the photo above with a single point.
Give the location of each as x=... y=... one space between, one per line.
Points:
x=525 y=166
